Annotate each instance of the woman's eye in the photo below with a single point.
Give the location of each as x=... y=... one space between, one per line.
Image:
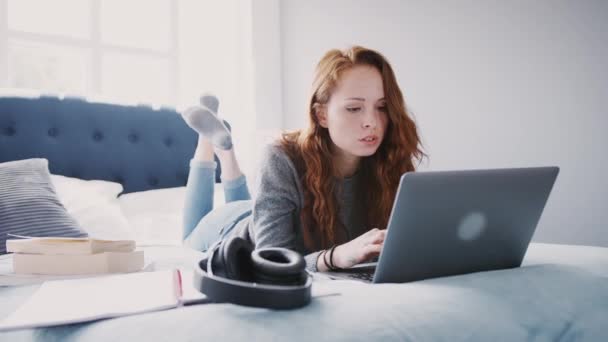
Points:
x=382 y=108
x=353 y=109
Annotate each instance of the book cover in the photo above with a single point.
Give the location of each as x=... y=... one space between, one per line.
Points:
x=68 y=246
x=58 y=264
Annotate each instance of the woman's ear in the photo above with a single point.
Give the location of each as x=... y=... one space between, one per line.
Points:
x=321 y=114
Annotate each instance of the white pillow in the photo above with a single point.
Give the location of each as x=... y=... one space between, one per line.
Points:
x=156 y=216
x=94 y=205
x=76 y=194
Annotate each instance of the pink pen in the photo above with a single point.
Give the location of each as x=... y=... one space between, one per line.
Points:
x=177 y=275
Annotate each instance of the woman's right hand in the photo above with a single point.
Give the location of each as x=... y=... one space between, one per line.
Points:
x=361 y=249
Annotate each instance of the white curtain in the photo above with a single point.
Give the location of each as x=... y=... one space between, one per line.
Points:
x=232 y=48
x=215 y=55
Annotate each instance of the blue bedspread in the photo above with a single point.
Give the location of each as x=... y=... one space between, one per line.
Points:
x=561 y=293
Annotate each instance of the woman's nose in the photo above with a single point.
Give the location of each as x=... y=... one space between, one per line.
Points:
x=370 y=120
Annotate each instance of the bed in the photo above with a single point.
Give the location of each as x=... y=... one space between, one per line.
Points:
x=120 y=171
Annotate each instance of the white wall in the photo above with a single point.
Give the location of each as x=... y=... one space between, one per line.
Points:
x=491 y=84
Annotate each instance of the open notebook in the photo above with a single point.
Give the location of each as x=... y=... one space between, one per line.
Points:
x=81 y=300
x=69 y=301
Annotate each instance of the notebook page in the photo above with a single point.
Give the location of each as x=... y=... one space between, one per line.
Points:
x=81 y=300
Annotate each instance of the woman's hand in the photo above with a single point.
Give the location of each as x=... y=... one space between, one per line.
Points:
x=360 y=249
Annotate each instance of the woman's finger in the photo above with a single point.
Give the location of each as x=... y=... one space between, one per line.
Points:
x=378 y=237
x=369 y=250
x=372 y=232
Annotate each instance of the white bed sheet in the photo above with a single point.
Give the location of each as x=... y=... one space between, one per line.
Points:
x=542 y=301
x=152 y=217
x=155 y=216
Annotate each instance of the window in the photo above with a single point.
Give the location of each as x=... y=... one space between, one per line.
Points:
x=160 y=52
x=125 y=51
x=47 y=67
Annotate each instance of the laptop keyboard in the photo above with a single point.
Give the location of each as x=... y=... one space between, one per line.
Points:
x=360 y=275
x=362 y=272
x=365 y=276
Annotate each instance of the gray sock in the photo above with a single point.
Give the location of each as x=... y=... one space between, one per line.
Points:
x=208 y=125
x=210 y=101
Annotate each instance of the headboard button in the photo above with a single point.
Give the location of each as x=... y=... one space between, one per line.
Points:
x=10 y=131
x=153 y=181
x=52 y=132
x=168 y=142
x=133 y=137
x=97 y=136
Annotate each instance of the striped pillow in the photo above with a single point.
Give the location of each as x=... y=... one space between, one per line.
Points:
x=29 y=205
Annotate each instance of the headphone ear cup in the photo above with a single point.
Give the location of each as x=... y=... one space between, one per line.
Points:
x=278 y=266
x=234 y=259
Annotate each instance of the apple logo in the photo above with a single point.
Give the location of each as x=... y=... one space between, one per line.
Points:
x=472 y=226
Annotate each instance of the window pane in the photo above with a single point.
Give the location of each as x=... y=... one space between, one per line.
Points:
x=61 y=17
x=136 y=23
x=136 y=78
x=47 y=67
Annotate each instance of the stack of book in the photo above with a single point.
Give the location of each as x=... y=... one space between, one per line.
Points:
x=74 y=256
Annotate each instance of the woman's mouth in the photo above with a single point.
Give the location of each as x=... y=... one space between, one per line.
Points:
x=369 y=140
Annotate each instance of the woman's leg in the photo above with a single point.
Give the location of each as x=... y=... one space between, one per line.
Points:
x=217 y=224
x=233 y=180
x=200 y=186
x=202 y=225
x=201 y=178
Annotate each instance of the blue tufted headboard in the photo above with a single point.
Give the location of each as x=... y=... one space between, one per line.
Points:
x=137 y=146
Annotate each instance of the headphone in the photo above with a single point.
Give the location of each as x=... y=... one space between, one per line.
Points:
x=235 y=272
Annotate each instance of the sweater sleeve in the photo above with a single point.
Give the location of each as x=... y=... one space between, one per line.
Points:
x=311 y=260
x=277 y=205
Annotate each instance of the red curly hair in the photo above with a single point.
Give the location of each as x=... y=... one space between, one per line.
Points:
x=379 y=174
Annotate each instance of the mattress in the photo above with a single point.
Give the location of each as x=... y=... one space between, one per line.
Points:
x=561 y=292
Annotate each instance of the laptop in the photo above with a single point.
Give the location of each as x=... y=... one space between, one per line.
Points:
x=446 y=223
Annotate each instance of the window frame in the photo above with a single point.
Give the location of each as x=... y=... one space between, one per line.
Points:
x=96 y=47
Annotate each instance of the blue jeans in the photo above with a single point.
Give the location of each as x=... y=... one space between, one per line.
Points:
x=204 y=225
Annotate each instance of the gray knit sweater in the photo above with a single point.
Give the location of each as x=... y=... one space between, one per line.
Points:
x=275 y=220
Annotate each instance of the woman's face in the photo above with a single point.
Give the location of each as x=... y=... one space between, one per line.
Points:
x=356 y=115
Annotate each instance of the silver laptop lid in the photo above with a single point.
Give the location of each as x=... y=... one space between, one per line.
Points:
x=454 y=222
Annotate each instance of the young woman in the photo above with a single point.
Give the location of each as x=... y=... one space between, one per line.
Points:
x=325 y=191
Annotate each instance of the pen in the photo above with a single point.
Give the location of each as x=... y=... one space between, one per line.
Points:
x=177 y=276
